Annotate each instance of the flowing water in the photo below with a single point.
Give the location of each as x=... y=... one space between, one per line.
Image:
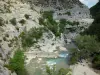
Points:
x=37 y=66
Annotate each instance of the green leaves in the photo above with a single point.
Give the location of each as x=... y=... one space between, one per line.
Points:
x=53 y=71
x=48 y=21
x=62 y=25
x=96 y=61
x=87 y=45
x=48 y=70
x=30 y=37
x=13 y=21
x=63 y=71
x=17 y=63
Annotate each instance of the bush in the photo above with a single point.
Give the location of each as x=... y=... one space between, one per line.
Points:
x=0 y=55
x=0 y=40
x=13 y=21
x=48 y=15
x=22 y=21
x=62 y=25
x=87 y=46
x=70 y=23
x=75 y=23
x=6 y=35
x=30 y=37
x=4 y=38
x=41 y=21
x=61 y=71
x=68 y=13
x=50 y=23
x=27 y=16
x=10 y=45
x=74 y=56
x=17 y=28
x=96 y=61
x=17 y=63
x=2 y=22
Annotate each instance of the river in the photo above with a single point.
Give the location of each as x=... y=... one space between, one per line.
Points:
x=37 y=65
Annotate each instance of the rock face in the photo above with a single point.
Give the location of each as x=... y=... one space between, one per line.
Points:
x=61 y=8
x=56 y=3
x=12 y=9
x=4 y=71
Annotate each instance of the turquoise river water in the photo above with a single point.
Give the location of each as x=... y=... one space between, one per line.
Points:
x=37 y=67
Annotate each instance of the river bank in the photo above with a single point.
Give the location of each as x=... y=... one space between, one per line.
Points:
x=82 y=69
x=37 y=66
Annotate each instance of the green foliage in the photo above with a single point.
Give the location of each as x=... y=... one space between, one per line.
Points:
x=56 y=27
x=10 y=45
x=48 y=21
x=0 y=40
x=53 y=27
x=41 y=21
x=62 y=25
x=96 y=61
x=6 y=35
x=0 y=55
x=17 y=63
x=27 y=16
x=48 y=70
x=63 y=21
x=94 y=29
x=72 y=23
x=68 y=13
x=54 y=71
x=75 y=23
x=95 y=9
x=30 y=37
x=17 y=28
x=4 y=38
x=22 y=21
x=1 y=21
x=13 y=21
x=63 y=71
x=48 y=15
x=87 y=45
x=74 y=56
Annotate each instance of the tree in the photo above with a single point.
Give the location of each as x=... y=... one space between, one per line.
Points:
x=88 y=43
x=30 y=37
x=62 y=25
x=87 y=48
x=63 y=71
x=96 y=61
x=17 y=63
x=74 y=56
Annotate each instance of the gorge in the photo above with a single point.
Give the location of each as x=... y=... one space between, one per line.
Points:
x=45 y=30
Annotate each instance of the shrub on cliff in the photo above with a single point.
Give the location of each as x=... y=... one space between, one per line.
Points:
x=17 y=63
x=30 y=37
x=13 y=21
